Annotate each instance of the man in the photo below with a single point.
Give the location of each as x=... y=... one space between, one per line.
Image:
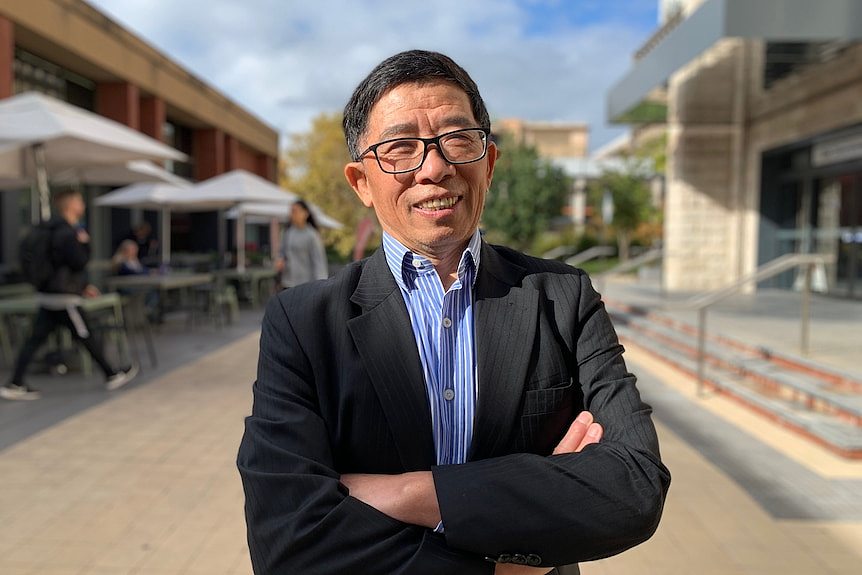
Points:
x=60 y=300
x=445 y=406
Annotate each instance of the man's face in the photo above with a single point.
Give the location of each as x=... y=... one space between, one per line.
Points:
x=401 y=201
x=75 y=207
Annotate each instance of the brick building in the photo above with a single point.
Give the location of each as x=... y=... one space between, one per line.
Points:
x=70 y=50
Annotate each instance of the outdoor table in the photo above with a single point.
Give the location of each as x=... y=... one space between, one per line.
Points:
x=251 y=280
x=28 y=306
x=163 y=282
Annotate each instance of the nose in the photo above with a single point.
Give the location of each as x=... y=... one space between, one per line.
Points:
x=435 y=167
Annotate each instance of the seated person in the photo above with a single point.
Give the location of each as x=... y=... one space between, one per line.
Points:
x=124 y=263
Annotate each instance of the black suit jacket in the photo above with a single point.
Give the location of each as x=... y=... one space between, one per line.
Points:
x=340 y=390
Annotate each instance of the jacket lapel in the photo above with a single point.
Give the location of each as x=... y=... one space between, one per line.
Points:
x=505 y=326
x=384 y=339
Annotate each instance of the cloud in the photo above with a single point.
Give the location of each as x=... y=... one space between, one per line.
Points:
x=288 y=61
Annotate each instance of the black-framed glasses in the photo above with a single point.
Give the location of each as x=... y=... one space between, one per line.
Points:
x=400 y=155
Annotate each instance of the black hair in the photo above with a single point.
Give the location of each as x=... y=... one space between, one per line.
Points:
x=403 y=68
x=311 y=221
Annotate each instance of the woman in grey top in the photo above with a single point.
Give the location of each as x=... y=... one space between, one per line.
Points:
x=303 y=258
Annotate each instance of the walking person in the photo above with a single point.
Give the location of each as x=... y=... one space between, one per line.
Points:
x=303 y=258
x=61 y=296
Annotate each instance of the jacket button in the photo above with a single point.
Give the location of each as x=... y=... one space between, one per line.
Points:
x=519 y=559
x=504 y=558
x=534 y=560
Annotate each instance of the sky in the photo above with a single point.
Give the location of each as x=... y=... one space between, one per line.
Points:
x=290 y=60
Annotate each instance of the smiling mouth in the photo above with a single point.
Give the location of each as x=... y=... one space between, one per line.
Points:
x=438 y=204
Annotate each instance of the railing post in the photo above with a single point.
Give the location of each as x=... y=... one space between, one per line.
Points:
x=701 y=349
x=806 y=308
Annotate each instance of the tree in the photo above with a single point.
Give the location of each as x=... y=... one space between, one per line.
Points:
x=313 y=168
x=526 y=194
x=632 y=200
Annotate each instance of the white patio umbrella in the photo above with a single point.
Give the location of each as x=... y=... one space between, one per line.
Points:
x=134 y=172
x=41 y=136
x=262 y=213
x=152 y=196
x=237 y=187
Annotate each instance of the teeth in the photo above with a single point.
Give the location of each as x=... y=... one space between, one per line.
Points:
x=438 y=204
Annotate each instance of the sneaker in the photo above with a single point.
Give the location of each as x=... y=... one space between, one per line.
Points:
x=15 y=392
x=121 y=378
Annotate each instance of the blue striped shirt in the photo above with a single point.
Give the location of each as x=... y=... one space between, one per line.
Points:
x=443 y=329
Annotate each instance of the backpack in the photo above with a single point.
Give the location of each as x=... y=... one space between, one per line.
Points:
x=35 y=255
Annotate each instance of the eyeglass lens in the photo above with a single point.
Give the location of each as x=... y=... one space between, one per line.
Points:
x=405 y=154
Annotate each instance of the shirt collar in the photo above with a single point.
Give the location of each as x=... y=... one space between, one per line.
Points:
x=405 y=265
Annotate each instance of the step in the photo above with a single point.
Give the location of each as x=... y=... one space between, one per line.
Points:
x=754 y=366
x=840 y=437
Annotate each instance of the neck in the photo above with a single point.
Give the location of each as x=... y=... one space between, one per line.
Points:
x=446 y=263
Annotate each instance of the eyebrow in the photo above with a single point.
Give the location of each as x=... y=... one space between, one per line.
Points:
x=410 y=128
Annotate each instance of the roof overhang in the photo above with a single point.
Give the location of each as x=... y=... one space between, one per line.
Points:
x=771 y=20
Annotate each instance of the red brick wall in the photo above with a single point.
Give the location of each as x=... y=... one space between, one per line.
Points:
x=119 y=101
x=7 y=57
x=153 y=116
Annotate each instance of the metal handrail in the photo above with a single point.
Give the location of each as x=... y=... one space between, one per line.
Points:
x=770 y=269
x=645 y=258
x=591 y=254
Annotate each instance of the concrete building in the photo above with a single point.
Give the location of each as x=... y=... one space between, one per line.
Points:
x=764 y=121
x=70 y=50
x=551 y=139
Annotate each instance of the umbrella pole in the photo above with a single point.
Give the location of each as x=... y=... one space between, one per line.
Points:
x=165 y=242
x=240 y=243
x=42 y=194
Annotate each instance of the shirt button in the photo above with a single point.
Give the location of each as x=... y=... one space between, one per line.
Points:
x=448 y=394
x=417 y=263
x=447 y=322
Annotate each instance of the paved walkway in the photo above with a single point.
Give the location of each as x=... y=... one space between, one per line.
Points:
x=145 y=484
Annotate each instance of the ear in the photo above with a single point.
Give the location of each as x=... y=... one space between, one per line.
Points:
x=356 y=177
x=491 y=157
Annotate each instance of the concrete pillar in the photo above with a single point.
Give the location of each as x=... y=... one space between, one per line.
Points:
x=702 y=213
x=153 y=116
x=119 y=101
x=7 y=58
x=208 y=151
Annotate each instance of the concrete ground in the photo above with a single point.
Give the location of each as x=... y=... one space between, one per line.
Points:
x=143 y=481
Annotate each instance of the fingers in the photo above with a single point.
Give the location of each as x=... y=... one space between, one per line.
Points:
x=575 y=435
x=594 y=434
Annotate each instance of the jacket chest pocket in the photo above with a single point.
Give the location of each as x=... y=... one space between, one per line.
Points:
x=545 y=417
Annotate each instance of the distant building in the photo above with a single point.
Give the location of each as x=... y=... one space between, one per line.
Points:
x=551 y=139
x=70 y=50
x=763 y=106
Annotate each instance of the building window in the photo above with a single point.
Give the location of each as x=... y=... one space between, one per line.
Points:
x=35 y=74
x=786 y=58
x=179 y=137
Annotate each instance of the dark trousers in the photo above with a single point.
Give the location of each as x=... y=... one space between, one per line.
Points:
x=47 y=321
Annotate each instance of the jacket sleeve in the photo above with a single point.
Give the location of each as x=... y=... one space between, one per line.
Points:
x=573 y=507
x=300 y=518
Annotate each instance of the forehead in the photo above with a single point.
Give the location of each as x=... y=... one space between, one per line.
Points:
x=418 y=106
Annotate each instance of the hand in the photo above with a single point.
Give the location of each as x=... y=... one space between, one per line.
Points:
x=408 y=497
x=581 y=433
x=512 y=569
x=83 y=236
x=279 y=265
x=91 y=291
